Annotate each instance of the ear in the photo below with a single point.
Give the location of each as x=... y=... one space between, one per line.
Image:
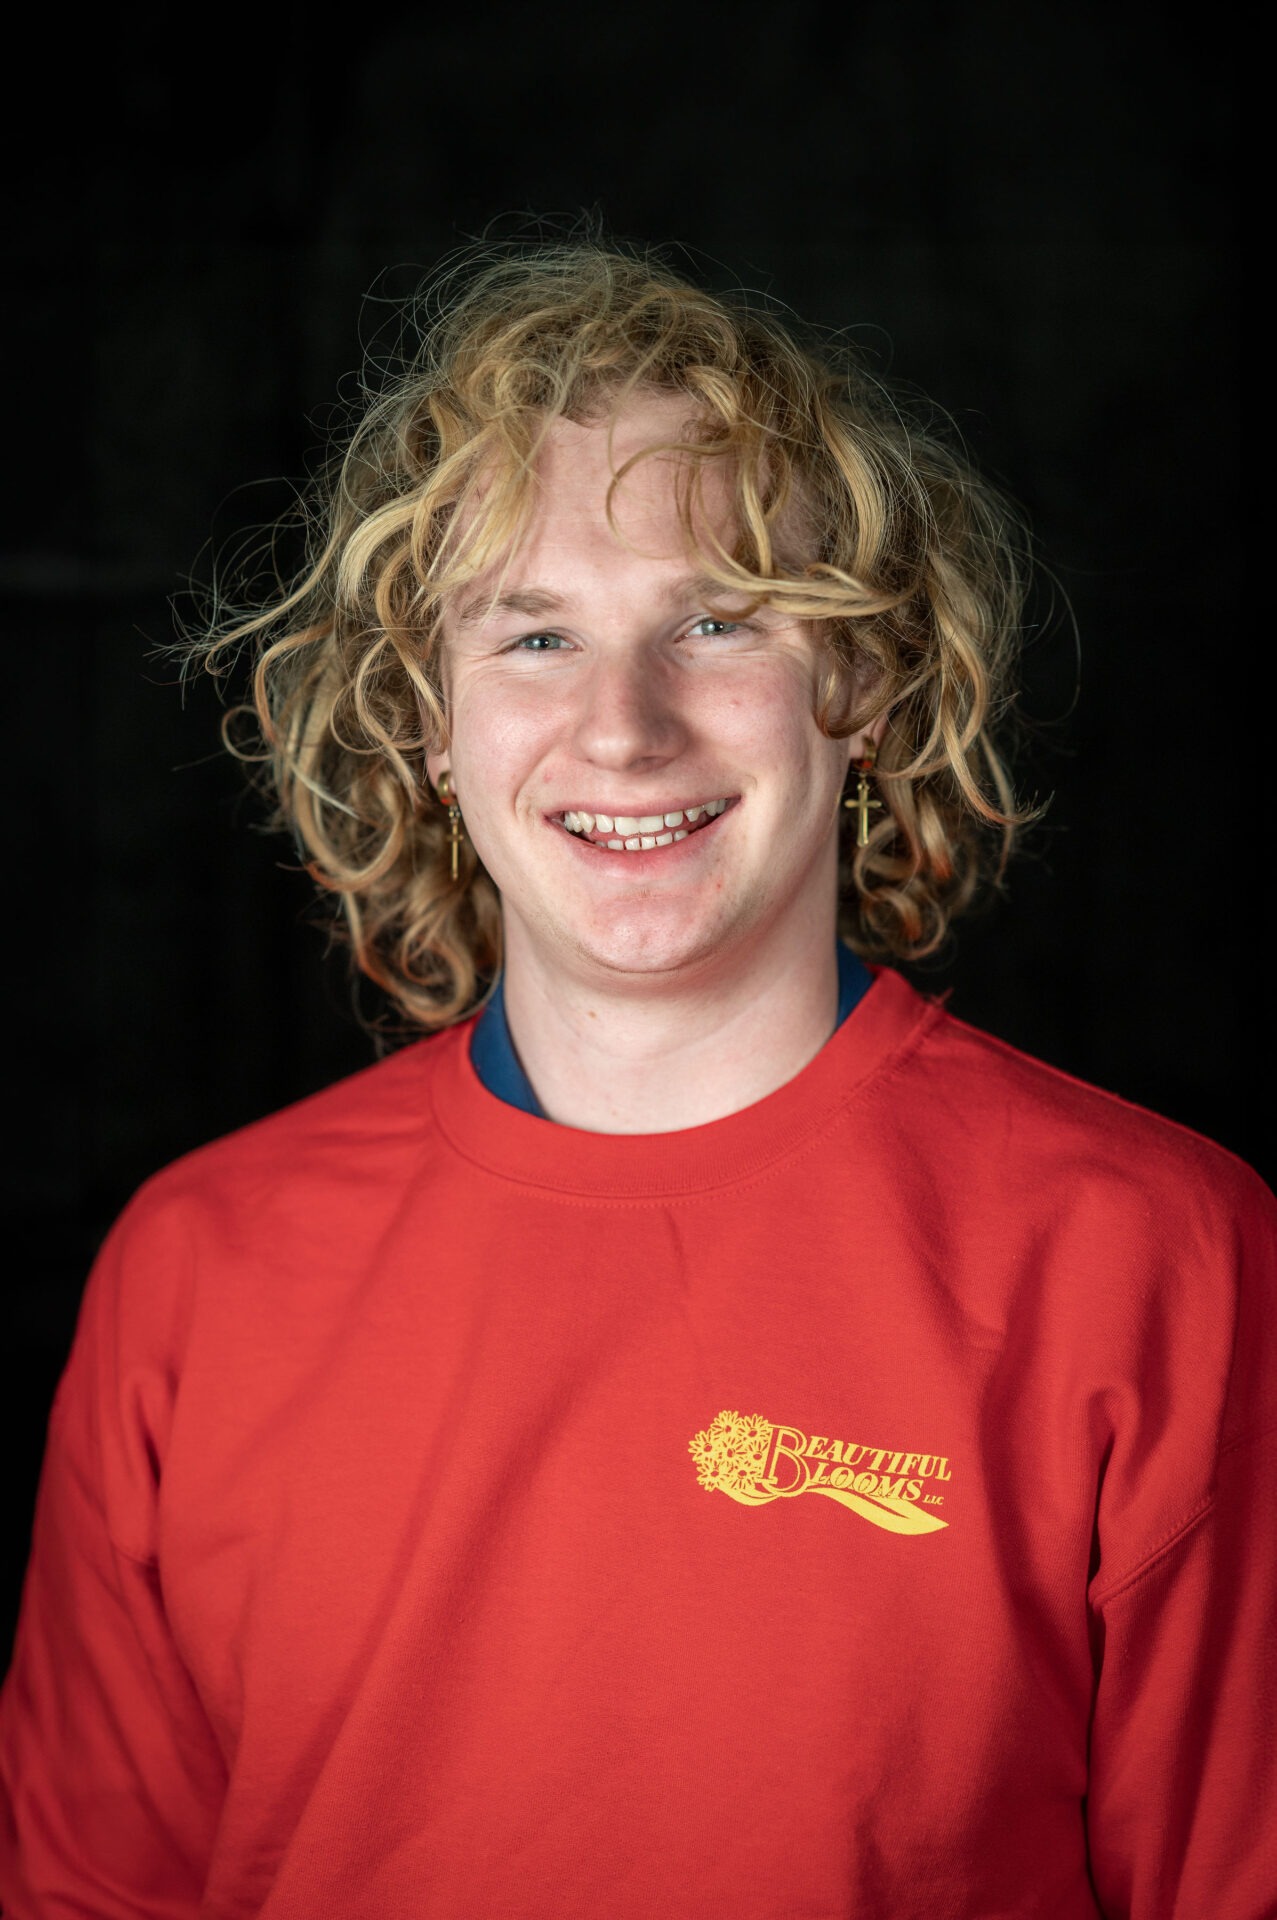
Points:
x=856 y=684
x=874 y=731
x=856 y=743
x=438 y=759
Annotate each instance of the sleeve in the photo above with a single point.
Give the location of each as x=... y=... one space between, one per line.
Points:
x=1183 y=1768
x=110 y=1776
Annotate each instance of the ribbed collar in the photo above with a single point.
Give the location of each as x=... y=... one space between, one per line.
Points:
x=890 y=1021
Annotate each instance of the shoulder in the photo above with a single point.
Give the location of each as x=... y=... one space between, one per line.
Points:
x=1057 y=1183
x=381 y=1112
x=299 y=1175
x=1141 y=1255
x=277 y=1210
x=1034 y=1121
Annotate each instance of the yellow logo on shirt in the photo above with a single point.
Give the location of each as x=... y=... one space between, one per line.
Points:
x=750 y=1460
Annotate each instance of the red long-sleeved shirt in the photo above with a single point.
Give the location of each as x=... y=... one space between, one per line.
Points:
x=863 y=1505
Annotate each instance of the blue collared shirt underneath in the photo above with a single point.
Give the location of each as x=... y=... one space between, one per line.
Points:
x=500 y=1069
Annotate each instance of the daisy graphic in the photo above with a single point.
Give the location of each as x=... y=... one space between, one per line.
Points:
x=731 y=1453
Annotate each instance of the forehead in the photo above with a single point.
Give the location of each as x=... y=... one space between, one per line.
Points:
x=613 y=482
x=584 y=468
x=590 y=508
x=621 y=507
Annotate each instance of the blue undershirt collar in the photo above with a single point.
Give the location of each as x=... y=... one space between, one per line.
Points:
x=501 y=1072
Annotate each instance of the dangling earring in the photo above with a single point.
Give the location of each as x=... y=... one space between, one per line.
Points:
x=859 y=802
x=448 y=795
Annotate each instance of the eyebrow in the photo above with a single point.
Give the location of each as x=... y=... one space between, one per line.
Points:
x=529 y=600
x=695 y=589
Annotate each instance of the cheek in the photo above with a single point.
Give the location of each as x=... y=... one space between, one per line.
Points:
x=772 y=722
x=497 y=740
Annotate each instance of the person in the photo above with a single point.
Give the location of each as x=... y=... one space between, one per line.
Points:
x=699 y=1430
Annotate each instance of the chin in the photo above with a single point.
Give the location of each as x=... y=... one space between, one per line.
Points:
x=634 y=947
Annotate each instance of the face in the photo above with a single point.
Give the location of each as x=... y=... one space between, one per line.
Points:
x=643 y=778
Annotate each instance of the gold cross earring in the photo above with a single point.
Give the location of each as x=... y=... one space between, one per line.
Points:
x=448 y=795
x=859 y=802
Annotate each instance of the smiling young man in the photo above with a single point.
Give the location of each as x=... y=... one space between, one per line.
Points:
x=705 y=1432
x=654 y=799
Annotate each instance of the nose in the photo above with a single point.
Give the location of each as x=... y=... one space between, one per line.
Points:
x=630 y=716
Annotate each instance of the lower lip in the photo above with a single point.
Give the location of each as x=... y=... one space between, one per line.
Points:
x=644 y=860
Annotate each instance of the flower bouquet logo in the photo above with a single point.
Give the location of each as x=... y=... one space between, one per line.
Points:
x=752 y=1461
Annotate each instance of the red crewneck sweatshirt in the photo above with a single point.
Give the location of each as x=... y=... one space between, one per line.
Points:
x=861 y=1506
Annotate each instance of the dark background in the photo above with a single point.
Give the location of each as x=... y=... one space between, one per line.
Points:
x=1025 y=211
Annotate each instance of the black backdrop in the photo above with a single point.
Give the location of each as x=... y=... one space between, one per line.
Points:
x=1024 y=210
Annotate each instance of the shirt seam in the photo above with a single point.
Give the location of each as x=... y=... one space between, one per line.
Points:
x=58 y=1422
x=1165 y=1546
x=148 y=1561
x=1183 y=1528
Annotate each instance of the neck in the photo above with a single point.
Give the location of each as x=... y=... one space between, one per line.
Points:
x=637 y=1053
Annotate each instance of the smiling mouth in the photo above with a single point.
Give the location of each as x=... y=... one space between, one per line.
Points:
x=640 y=833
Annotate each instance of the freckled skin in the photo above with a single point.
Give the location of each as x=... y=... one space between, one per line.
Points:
x=618 y=698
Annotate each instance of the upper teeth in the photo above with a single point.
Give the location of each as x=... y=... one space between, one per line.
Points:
x=629 y=823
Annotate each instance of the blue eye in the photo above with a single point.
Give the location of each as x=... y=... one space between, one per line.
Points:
x=537 y=643
x=720 y=627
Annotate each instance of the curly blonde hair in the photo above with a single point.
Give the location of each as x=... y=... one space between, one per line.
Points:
x=914 y=568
